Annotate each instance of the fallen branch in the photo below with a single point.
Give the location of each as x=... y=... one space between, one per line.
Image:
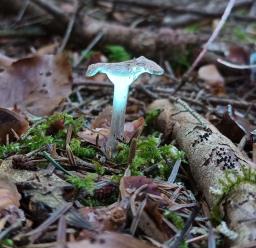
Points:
x=196 y=10
x=140 y=41
x=212 y=156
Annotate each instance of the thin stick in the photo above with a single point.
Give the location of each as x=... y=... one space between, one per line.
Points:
x=36 y=233
x=90 y=47
x=178 y=239
x=22 y=11
x=61 y=233
x=70 y=27
x=235 y=66
x=55 y=164
x=214 y=35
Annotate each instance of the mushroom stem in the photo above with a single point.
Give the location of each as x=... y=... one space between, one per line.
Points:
x=118 y=116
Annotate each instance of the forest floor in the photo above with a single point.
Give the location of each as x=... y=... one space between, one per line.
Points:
x=184 y=173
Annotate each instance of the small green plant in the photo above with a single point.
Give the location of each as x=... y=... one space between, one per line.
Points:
x=6 y=243
x=240 y=34
x=148 y=153
x=87 y=183
x=51 y=130
x=117 y=53
x=100 y=170
x=82 y=152
x=151 y=116
x=175 y=219
x=12 y=148
x=183 y=244
x=193 y=28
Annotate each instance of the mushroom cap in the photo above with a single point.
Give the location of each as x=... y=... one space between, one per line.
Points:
x=150 y=66
x=126 y=71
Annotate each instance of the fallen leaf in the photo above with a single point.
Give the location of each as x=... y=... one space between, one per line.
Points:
x=234 y=125
x=9 y=122
x=5 y=61
x=213 y=79
x=129 y=184
x=150 y=220
x=133 y=128
x=103 y=120
x=110 y=240
x=99 y=136
x=112 y=218
x=238 y=55
x=9 y=194
x=38 y=83
x=48 y=49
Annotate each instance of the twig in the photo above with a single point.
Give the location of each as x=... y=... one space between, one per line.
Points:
x=89 y=47
x=181 y=235
x=70 y=26
x=51 y=9
x=235 y=66
x=61 y=234
x=55 y=163
x=211 y=237
x=168 y=5
x=235 y=103
x=36 y=233
x=26 y=32
x=22 y=11
x=174 y=172
x=10 y=228
x=139 y=40
x=214 y=35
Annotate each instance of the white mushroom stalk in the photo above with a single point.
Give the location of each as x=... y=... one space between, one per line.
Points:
x=122 y=75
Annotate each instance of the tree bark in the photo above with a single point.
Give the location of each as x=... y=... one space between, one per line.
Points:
x=211 y=155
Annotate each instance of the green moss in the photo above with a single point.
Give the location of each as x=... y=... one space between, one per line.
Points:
x=193 y=28
x=116 y=178
x=37 y=141
x=6 y=243
x=175 y=219
x=183 y=244
x=123 y=153
x=39 y=135
x=149 y=153
x=151 y=116
x=6 y=150
x=231 y=180
x=240 y=34
x=87 y=183
x=171 y=152
x=117 y=53
x=82 y=152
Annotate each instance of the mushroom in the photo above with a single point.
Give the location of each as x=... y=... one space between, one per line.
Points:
x=122 y=75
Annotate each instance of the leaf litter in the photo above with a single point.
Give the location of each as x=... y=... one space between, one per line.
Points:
x=69 y=194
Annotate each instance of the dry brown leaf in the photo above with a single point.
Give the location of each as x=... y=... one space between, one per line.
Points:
x=234 y=125
x=214 y=80
x=9 y=194
x=110 y=240
x=48 y=49
x=5 y=61
x=129 y=184
x=112 y=218
x=99 y=136
x=9 y=122
x=238 y=55
x=103 y=120
x=38 y=83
